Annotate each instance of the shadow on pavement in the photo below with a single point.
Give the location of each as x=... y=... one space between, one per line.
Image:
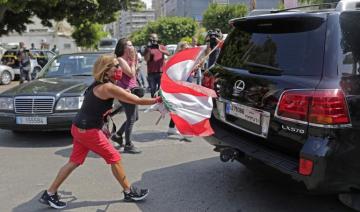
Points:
x=35 y=205
x=149 y=136
x=228 y=187
x=35 y=139
x=207 y=185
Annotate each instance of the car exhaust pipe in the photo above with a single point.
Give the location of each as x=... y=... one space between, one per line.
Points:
x=228 y=154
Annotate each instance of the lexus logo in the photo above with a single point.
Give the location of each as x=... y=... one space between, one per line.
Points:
x=239 y=86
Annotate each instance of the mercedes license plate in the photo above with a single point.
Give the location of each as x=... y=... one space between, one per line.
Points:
x=243 y=112
x=31 y=120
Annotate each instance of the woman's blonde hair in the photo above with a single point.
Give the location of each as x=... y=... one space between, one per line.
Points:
x=101 y=66
x=181 y=46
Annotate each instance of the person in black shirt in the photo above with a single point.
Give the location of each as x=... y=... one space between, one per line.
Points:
x=87 y=129
x=24 y=56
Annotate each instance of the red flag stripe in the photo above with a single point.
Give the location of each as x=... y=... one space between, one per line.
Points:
x=187 y=54
x=184 y=87
x=202 y=128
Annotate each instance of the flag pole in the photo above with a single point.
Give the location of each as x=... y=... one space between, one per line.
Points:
x=208 y=55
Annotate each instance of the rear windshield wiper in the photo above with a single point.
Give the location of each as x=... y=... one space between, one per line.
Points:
x=260 y=68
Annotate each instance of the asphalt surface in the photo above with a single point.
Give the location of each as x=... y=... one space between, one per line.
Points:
x=181 y=176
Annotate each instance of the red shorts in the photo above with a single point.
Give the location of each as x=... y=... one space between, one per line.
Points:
x=94 y=140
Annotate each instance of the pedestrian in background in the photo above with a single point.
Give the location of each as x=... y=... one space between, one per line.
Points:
x=55 y=49
x=155 y=57
x=198 y=71
x=194 y=42
x=24 y=57
x=32 y=46
x=126 y=53
x=212 y=39
x=87 y=129
x=140 y=75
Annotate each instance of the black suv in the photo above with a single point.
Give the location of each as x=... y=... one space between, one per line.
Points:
x=288 y=86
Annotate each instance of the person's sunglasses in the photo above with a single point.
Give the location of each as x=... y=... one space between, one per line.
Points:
x=116 y=66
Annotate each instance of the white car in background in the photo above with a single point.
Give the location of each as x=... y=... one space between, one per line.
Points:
x=37 y=62
x=7 y=74
x=171 y=48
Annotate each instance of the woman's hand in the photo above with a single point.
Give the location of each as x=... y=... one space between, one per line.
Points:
x=158 y=99
x=127 y=68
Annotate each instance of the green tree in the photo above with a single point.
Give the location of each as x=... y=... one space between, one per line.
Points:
x=169 y=29
x=218 y=16
x=14 y=15
x=88 y=34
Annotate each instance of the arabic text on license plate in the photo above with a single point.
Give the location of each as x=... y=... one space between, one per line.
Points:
x=31 y=120
x=243 y=112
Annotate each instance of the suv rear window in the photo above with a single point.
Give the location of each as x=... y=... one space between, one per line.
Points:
x=349 y=55
x=289 y=46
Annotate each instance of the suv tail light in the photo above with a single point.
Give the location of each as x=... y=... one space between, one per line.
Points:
x=325 y=107
x=305 y=166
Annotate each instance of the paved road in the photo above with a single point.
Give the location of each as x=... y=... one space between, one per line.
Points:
x=5 y=87
x=181 y=176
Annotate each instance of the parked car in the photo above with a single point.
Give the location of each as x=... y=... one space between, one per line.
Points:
x=107 y=44
x=7 y=74
x=171 y=48
x=288 y=98
x=51 y=101
x=37 y=62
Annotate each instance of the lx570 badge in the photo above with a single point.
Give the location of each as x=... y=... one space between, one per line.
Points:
x=293 y=129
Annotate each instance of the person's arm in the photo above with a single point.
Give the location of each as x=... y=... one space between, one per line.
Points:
x=164 y=50
x=18 y=55
x=119 y=93
x=31 y=55
x=147 y=55
x=129 y=70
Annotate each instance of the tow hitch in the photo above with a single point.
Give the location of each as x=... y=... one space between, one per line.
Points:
x=227 y=154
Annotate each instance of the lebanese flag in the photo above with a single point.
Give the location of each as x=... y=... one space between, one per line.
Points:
x=190 y=105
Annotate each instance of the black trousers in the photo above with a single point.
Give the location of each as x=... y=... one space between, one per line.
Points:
x=154 y=82
x=132 y=115
x=25 y=74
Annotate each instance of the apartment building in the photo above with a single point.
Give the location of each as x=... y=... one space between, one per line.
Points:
x=195 y=9
x=130 y=21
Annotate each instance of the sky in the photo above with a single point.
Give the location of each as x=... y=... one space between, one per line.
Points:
x=148 y=3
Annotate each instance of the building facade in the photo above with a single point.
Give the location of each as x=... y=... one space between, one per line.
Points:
x=260 y=4
x=159 y=8
x=130 y=21
x=195 y=9
x=186 y=8
x=45 y=37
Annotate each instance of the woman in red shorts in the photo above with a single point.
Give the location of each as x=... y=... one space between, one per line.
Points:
x=87 y=133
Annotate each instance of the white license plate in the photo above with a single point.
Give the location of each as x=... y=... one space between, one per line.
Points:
x=244 y=112
x=31 y=120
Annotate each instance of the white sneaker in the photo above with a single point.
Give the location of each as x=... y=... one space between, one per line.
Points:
x=173 y=131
